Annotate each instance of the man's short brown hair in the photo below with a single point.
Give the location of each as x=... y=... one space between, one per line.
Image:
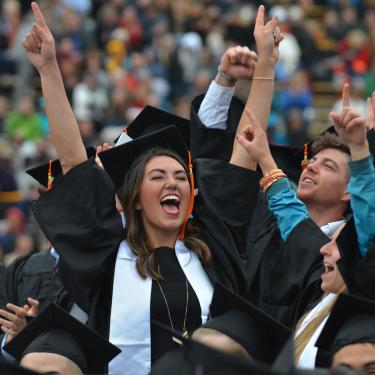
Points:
x=329 y=140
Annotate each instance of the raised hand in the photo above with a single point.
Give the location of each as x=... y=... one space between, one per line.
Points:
x=267 y=37
x=350 y=125
x=13 y=322
x=238 y=62
x=39 y=42
x=254 y=140
x=100 y=149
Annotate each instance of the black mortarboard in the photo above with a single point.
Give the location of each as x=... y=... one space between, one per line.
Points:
x=43 y=334
x=195 y=358
x=351 y=321
x=152 y=119
x=7 y=368
x=118 y=160
x=40 y=173
x=285 y=158
x=259 y=333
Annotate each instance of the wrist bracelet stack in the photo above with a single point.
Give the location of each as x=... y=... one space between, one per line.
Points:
x=226 y=76
x=271 y=177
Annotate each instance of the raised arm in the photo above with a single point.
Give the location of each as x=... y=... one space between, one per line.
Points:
x=40 y=48
x=282 y=200
x=352 y=128
x=267 y=37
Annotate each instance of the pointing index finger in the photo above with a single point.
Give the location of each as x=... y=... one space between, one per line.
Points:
x=346 y=95
x=259 y=21
x=39 y=18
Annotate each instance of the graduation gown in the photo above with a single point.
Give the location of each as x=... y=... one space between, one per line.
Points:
x=35 y=276
x=357 y=271
x=210 y=143
x=284 y=276
x=79 y=217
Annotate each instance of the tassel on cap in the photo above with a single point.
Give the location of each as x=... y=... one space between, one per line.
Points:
x=50 y=177
x=191 y=201
x=305 y=162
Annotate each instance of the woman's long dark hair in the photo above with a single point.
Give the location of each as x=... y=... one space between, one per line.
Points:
x=129 y=196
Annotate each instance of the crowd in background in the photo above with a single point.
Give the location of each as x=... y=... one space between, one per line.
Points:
x=116 y=56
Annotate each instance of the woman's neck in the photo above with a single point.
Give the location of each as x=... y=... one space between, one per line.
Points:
x=156 y=239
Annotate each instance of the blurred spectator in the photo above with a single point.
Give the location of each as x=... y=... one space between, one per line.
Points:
x=90 y=100
x=24 y=245
x=23 y=123
x=10 y=20
x=369 y=79
x=13 y=226
x=4 y=108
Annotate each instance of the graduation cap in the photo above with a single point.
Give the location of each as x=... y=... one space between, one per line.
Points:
x=285 y=158
x=43 y=173
x=152 y=119
x=7 y=368
x=195 y=358
x=56 y=331
x=259 y=333
x=119 y=160
x=351 y=321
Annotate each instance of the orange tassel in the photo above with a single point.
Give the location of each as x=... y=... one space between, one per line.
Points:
x=50 y=177
x=305 y=162
x=191 y=201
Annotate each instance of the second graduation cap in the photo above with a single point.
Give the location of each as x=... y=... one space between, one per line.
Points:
x=351 y=321
x=41 y=335
x=152 y=119
x=259 y=333
x=41 y=172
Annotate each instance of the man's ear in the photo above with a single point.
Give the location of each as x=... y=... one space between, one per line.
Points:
x=346 y=197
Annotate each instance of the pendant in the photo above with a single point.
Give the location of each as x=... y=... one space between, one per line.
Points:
x=177 y=340
x=185 y=334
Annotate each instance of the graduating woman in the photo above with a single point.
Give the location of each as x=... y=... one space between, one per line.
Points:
x=159 y=269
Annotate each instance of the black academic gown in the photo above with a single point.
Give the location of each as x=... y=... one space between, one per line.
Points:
x=357 y=271
x=213 y=143
x=79 y=216
x=35 y=275
x=284 y=276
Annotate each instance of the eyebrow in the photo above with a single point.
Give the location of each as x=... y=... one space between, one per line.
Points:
x=163 y=171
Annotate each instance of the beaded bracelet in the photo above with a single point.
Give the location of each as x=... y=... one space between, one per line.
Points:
x=271 y=177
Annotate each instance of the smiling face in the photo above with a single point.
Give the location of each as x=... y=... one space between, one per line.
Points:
x=324 y=181
x=332 y=280
x=164 y=196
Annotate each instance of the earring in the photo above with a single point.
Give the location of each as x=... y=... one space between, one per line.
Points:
x=138 y=206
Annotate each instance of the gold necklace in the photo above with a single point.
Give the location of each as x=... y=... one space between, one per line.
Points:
x=185 y=333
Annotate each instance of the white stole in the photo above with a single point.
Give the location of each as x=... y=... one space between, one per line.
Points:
x=130 y=314
x=308 y=356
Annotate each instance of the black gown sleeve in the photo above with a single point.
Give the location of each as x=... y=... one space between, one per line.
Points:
x=79 y=217
x=357 y=271
x=223 y=209
x=206 y=143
